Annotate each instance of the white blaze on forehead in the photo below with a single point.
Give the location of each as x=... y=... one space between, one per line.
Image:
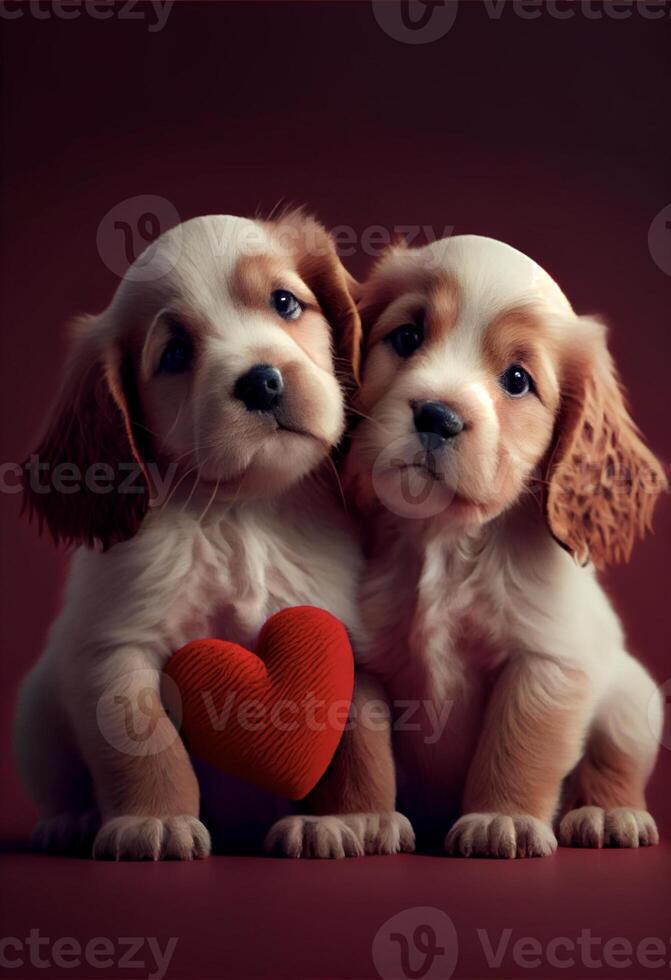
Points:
x=192 y=263
x=492 y=276
x=222 y=238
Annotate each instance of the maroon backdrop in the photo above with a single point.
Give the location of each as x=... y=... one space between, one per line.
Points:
x=550 y=134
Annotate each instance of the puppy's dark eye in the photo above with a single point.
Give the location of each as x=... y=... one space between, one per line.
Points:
x=286 y=304
x=177 y=356
x=406 y=339
x=516 y=381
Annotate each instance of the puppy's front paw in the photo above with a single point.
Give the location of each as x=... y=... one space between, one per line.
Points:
x=382 y=833
x=626 y=827
x=313 y=837
x=499 y=835
x=582 y=827
x=591 y=826
x=152 y=839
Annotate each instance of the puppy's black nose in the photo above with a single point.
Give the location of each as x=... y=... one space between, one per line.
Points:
x=435 y=423
x=260 y=388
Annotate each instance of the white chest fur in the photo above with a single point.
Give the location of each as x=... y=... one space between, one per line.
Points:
x=442 y=596
x=258 y=563
x=180 y=579
x=437 y=605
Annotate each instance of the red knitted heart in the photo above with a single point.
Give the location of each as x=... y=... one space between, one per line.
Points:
x=274 y=717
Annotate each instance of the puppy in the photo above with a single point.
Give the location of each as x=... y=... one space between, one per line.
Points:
x=195 y=423
x=497 y=469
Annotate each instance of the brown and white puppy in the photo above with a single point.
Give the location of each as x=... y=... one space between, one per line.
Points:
x=496 y=467
x=196 y=424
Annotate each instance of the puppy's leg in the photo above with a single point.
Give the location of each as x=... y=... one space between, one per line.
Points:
x=352 y=807
x=52 y=768
x=604 y=803
x=145 y=786
x=532 y=737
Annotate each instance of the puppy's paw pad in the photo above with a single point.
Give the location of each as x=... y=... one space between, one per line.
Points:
x=66 y=833
x=583 y=827
x=382 y=833
x=626 y=827
x=500 y=835
x=181 y=838
x=313 y=837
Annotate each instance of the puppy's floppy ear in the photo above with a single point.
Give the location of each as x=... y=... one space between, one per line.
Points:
x=319 y=266
x=602 y=481
x=86 y=480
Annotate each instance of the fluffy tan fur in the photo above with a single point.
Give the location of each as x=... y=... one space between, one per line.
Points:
x=473 y=613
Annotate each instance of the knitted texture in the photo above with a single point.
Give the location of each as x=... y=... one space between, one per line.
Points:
x=274 y=717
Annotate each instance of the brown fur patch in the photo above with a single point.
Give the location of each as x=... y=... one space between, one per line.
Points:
x=442 y=307
x=361 y=777
x=162 y=784
x=522 y=337
x=605 y=777
x=90 y=427
x=318 y=265
x=254 y=277
x=603 y=482
x=530 y=741
x=438 y=306
x=253 y=280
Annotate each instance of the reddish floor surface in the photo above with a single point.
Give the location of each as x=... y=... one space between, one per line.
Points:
x=247 y=917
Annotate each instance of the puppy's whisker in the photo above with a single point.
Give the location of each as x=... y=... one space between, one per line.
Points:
x=189 y=452
x=369 y=418
x=177 y=485
x=145 y=428
x=174 y=424
x=210 y=502
x=238 y=491
x=338 y=482
x=199 y=447
x=193 y=488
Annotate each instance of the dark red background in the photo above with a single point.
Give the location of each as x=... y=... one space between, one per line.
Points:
x=552 y=135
